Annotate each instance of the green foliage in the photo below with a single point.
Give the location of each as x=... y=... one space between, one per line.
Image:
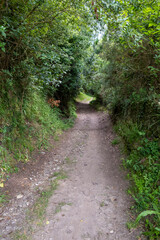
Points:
x=20 y=136
x=3 y=199
x=146 y=213
x=42 y=45
x=82 y=97
x=143 y=163
x=44 y=49
x=154 y=231
x=2 y=37
x=115 y=141
x=130 y=133
x=123 y=69
x=98 y=104
x=20 y=236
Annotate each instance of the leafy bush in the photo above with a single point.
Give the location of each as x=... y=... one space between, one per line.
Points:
x=125 y=71
x=42 y=45
x=143 y=163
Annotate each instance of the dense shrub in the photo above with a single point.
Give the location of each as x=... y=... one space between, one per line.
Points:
x=127 y=79
x=42 y=45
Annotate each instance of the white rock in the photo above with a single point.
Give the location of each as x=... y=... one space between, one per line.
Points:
x=19 y=196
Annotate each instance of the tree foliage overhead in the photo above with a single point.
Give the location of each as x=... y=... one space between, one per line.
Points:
x=40 y=43
x=128 y=57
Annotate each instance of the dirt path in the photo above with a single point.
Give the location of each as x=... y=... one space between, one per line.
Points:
x=93 y=201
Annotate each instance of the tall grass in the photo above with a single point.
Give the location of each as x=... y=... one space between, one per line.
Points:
x=26 y=128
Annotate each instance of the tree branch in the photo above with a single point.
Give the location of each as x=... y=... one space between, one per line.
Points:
x=35 y=7
x=47 y=21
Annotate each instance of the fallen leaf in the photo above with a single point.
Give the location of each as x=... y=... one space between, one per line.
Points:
x=1 y=185
x=47 y=222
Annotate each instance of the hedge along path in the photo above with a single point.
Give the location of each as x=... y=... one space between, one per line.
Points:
x=92 y=202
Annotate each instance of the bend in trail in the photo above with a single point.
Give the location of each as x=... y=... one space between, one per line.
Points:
x=94 y=205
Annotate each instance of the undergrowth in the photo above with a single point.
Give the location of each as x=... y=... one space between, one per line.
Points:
x=23 y=131
x=98 y=105
x=143 y=154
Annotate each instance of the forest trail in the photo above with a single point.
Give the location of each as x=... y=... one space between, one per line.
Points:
x=91 y=203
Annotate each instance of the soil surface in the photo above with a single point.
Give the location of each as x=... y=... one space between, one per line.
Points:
x=92 y=202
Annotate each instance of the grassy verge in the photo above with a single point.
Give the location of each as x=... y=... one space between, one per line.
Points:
x=36 y=214
x=82 y=97
x=143 y=163
x=21 y=132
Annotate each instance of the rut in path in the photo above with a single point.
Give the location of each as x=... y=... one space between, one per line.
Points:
x=94 y=204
